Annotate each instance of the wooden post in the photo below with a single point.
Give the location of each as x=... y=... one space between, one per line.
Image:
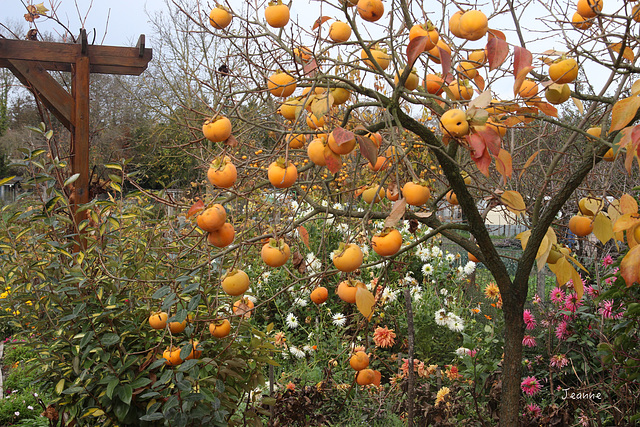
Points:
x=80 y=134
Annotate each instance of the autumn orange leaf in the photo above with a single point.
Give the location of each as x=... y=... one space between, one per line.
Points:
x=623 y=112
x=195 y=208
x=320 y=21
x=304 y=235
x=630 y=266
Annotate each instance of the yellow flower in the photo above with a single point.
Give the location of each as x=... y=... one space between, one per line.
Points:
x=442 y=394
x=29 y=303
x=4 y=295
x=491 y=291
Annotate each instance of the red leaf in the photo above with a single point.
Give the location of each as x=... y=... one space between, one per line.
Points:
x=522 y=59
x=304 y=235
x=197 y=207
x=415 y=48
x=497 y=52
x=341 y=135
x=492 y=139
x=476 y=145
x=333 y=163
x=496 y=34
x=368 y=149
x=483 y=163
x=320 y=21
x=445 y=60
x=479 y=81
x=310 y=68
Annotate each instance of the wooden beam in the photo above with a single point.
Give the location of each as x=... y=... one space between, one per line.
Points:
x=46 y=88
x=59 y=56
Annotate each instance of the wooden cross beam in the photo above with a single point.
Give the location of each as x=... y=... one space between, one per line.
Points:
x=31 y=61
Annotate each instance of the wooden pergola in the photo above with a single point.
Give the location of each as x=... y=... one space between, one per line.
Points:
x=30 y=61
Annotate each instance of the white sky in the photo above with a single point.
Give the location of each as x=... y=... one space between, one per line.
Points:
x=127 y=18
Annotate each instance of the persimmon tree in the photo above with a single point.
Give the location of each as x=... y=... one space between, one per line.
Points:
x=341 y=104
x=449 y=90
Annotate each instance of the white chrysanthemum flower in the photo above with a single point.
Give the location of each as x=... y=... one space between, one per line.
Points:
x=251 y=298
x=469 y=268
x=391 y=295
x=297 y=352
x=339 y=319
x=294 y=205
x=416 y=294
x=342 y=228
x=436 y=252
x=455 y=323
x=450 y=257
x=310 y=336
x=427 y=269
x=369 y=285
x=324 y=203
x=365 y=250
x=314 y=264
x=307 y=348
x=441 y=317
x=408 y=280
x=300 y=302
x=423 y=254
x=265 y=276
x=338 y=206
x=463 y=351
x=291 y=321
x=444 y=292
x=330 y=220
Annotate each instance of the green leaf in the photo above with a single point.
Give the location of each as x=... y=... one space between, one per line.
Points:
x=110 y=339
x=113 y=166
x=160 y=293
x=124 y=393
x=188 y=364
x=60 y=386
x=111 y=387
x=71 y=179
x=152 y=417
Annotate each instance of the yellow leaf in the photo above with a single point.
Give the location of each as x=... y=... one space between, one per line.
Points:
x=630 y=266
x=543 y=253
x=365 y=301
x=625 y=222
x=576 y=262
x=524 y=238
x=513 y=201
x=577 y=283
x=321 y=104
x=578 y=105
x=562 y=270
x=603 y=228
x=635 y=88
x=41 y=9
x=590 y=205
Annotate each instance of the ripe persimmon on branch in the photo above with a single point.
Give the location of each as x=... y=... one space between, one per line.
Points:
x=346 y=102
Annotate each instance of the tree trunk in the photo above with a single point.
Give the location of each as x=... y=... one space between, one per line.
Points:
x=512 y=363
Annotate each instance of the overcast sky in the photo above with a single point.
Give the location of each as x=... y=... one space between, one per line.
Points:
x=127 y=18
